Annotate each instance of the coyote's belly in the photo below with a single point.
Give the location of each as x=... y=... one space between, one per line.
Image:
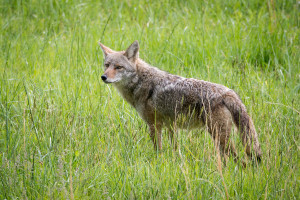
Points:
x=185 y=122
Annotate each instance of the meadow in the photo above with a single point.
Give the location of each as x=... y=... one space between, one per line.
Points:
x=64 y=134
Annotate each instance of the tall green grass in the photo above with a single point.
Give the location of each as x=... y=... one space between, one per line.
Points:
x=66 y=135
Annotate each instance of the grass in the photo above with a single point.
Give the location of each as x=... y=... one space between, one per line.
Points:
x=66 y=135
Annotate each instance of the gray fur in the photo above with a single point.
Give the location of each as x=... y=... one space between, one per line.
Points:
x=163 y=99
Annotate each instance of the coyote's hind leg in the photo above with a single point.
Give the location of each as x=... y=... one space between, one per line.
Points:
x=219 y=124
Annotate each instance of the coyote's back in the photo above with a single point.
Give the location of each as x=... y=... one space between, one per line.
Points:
x=163 y=99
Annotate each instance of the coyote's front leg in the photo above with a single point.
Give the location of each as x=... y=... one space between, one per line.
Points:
x=173 y=138
x=155 y=134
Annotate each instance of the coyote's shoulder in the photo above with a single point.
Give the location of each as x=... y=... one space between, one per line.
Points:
x=164 y=99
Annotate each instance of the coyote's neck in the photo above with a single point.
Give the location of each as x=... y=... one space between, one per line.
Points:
x=126 y=89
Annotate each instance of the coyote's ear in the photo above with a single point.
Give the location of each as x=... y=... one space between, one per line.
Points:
x=106 y=50
x=132 y=52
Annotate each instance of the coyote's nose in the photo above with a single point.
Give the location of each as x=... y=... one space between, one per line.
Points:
x=103 y=77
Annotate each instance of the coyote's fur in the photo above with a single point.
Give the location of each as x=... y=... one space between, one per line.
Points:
x=163 y=99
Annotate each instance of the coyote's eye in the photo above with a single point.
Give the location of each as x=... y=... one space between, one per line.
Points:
x=119 y=67
x=106 y=65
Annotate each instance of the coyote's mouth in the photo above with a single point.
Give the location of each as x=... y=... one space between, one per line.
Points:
x=108 y=82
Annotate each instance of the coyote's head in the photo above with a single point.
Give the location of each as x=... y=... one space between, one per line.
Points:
x=120 y=65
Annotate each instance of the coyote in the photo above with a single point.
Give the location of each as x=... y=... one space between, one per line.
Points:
x=163 y=99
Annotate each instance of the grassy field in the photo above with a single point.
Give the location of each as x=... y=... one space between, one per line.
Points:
x=64 y=134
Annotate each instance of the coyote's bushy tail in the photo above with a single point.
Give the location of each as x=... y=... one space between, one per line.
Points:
x=244 y=123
